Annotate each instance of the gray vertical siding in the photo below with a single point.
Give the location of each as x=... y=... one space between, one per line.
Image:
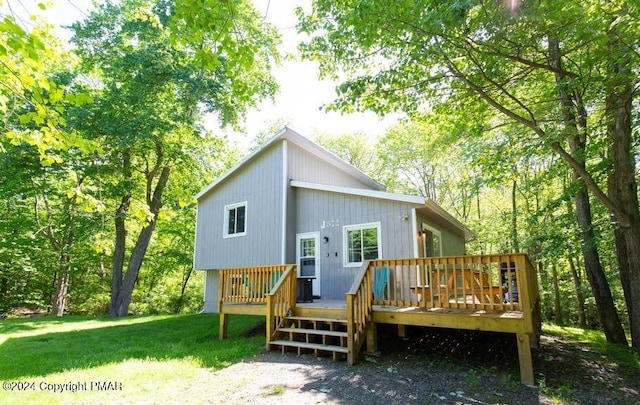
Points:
x=314 y=207
x=305 y=166
x=260 y=184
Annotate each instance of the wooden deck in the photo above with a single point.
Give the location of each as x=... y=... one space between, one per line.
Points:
x=497 y=293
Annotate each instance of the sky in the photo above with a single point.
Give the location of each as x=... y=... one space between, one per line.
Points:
x=302 y=94
x=300 y=99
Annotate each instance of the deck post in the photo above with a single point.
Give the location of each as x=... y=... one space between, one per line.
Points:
x=524 y=355
x=402 y=331
x=224 y=325
x=372 y=338
x=224 y=318
x=351 y=355
x=270 y=315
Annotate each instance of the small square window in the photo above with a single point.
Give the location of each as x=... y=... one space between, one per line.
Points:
x=235 y=219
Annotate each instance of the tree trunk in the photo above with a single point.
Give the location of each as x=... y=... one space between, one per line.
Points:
x=123 y=299
x=623 y=188
x=120 y=301
x=577 y=279
x=544 y=296
x=121 y=236
x=609 y=318
x=557 y=311
x=60 y=295
x=184 y=287
x=577 y=284
x=575 y=119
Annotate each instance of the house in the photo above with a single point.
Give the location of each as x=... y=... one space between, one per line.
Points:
x=292 y=201
x=292 y=217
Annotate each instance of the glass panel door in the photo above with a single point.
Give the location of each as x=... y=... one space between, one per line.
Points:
x=308 y=258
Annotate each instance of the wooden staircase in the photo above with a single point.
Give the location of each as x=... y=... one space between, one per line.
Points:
x=319 y=336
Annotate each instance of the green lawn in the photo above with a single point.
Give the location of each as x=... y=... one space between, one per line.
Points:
x=137 y=359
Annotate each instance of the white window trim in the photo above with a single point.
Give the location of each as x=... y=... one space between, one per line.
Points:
x=345 y=240
x=437 y=233
x=225 y=222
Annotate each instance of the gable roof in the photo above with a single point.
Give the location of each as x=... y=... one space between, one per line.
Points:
x=304 y=143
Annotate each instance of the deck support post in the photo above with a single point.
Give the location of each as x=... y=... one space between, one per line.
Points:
x=224 y=325
x=526 y=361
x=372 y=338
x=270 y=318
x=402 y=331
x=351 y=354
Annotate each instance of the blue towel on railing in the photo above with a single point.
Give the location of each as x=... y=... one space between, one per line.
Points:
x=380 y=283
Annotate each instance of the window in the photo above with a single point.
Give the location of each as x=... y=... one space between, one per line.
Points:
x=235 y=218
x=432 y=241
x=361 y=242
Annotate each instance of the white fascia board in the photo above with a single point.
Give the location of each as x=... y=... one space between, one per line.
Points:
x=361 y=192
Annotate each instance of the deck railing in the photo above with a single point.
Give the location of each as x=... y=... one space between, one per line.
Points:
x=249 y=285
x=281 y=301
x=484 y=282
x=359 y=309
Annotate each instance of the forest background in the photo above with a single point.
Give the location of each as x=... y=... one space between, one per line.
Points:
x=510 y=126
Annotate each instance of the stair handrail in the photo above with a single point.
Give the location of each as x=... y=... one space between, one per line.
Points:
x=359 y=311
x=281 y=301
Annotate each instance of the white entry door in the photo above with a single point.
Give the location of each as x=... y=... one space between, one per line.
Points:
x=308 y=258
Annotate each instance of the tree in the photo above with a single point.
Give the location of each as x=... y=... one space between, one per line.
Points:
x=353 y=149
x=158 y=70
x=52 y=213
x=408 y=54
x=47 y=176
x=32 y=102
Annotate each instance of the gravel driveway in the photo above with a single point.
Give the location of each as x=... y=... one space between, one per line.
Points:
x=430 y=367
x=272 y=378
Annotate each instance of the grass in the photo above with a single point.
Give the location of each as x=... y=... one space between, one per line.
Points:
x=146 y=359
x=603 y=367
x=596 y=340
x=170 y=359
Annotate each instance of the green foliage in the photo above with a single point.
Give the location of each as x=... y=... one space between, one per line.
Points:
x=154 y=88
x=32 y=100
x=494 y=78
x=49 y=209
x=140 y=89
x=469 y=57
x=354 y=149
x=233 y=40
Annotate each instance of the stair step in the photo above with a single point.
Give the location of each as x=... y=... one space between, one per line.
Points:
x=313 y=346
x=310 y=319
x=314 y=331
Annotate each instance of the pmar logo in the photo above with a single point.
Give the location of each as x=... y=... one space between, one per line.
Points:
x=106 y=386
